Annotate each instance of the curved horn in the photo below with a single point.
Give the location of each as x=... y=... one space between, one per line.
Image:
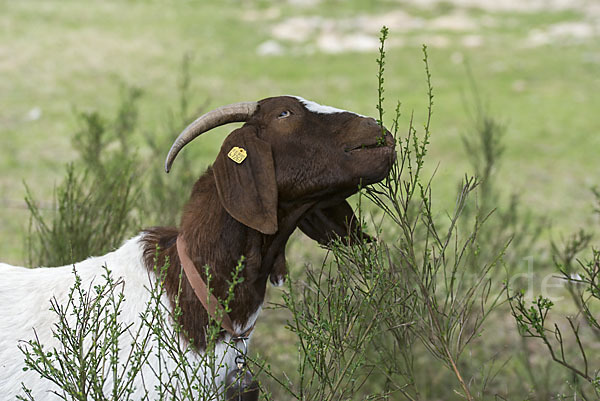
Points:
x=233 y=113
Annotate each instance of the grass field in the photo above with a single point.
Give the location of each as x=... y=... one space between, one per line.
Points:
x=537 y=70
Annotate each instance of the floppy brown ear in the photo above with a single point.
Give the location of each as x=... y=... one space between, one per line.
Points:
x=326 y=224
x=245 y=177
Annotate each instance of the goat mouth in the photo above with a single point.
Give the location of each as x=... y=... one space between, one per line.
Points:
x=360 y=147
x=381 y=142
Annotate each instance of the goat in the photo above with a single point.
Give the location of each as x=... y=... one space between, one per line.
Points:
x=297 y=163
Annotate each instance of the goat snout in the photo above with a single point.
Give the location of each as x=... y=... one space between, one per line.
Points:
x=366 y=134
x=370 y=152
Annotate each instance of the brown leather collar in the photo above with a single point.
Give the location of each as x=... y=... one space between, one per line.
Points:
x=210 y=303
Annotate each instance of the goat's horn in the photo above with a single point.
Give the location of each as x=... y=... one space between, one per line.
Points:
x=233 y=113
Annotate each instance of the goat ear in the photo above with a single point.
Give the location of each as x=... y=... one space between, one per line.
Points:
x=324 y=225
x=245 y=177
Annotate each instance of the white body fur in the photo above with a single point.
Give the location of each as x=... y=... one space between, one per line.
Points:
x=25 y=302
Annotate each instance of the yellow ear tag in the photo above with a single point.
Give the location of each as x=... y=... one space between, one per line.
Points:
x=238 y=155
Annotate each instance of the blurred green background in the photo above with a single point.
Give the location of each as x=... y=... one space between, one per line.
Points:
x=536 y=66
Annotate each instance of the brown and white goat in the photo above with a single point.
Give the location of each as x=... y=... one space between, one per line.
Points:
x=302 y=160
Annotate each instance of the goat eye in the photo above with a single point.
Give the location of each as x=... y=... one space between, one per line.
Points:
x=284 y=114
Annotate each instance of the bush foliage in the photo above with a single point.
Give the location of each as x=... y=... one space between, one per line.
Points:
x=411 y=316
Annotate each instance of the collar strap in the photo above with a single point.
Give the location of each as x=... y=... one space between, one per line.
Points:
x=209 y=301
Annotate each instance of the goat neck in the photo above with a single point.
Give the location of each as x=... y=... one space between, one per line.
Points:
x=217 y=240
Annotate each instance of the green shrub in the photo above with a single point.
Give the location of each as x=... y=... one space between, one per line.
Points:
x=95 y=204
x=363 y=317
x=87 y=365
x=111 y=190
x=399 y=318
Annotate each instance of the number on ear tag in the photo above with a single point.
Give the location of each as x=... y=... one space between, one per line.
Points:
x=238 y=155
